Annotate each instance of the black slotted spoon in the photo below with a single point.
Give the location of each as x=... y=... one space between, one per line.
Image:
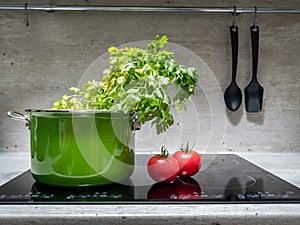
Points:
x=254 y=91
x=233 y=94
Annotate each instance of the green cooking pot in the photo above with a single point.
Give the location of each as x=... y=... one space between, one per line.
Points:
x=80 y=148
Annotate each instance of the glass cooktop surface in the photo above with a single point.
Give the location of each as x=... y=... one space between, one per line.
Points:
x=228 y=179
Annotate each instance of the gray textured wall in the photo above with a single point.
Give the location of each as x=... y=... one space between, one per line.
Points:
x=38 y=63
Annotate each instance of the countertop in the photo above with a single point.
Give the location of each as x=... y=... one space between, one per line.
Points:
x=286 y=166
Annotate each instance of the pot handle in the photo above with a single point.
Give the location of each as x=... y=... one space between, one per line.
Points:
x=136 y=123
x=19 y=116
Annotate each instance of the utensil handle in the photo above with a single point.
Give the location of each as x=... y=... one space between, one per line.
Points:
x=20 y=117
x=234 y=48
x=255 y=46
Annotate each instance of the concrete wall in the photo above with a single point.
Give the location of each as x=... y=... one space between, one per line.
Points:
x=40 y=62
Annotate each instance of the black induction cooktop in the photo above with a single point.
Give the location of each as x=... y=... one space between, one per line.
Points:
x=228 y=179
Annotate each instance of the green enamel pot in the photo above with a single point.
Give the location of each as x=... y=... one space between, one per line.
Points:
x=80 y=148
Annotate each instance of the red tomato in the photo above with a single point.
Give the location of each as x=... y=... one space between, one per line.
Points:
x=189 y=162
x=163 y=167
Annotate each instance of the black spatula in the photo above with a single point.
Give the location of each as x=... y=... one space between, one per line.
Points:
x=254 y=91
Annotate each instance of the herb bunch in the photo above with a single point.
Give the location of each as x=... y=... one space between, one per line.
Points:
x=137 y=81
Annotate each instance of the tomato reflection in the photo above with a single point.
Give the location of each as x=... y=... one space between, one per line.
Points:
x=183 y=188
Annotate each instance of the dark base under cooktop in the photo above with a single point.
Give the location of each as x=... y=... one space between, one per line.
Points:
x=228 y=179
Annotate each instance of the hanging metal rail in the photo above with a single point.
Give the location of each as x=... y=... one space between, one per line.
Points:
x=146 y=9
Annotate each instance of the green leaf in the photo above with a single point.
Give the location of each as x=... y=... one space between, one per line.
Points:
x=137 y=80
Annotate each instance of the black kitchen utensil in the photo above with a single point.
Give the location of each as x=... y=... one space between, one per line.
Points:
x=254 y=91
x=233 y=94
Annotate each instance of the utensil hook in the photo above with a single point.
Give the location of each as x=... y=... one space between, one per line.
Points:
x=254 y=17
x=26 y=14
x=234 y=17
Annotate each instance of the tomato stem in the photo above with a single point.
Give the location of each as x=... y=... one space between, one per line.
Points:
x=186 y=148
x=164 y=152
